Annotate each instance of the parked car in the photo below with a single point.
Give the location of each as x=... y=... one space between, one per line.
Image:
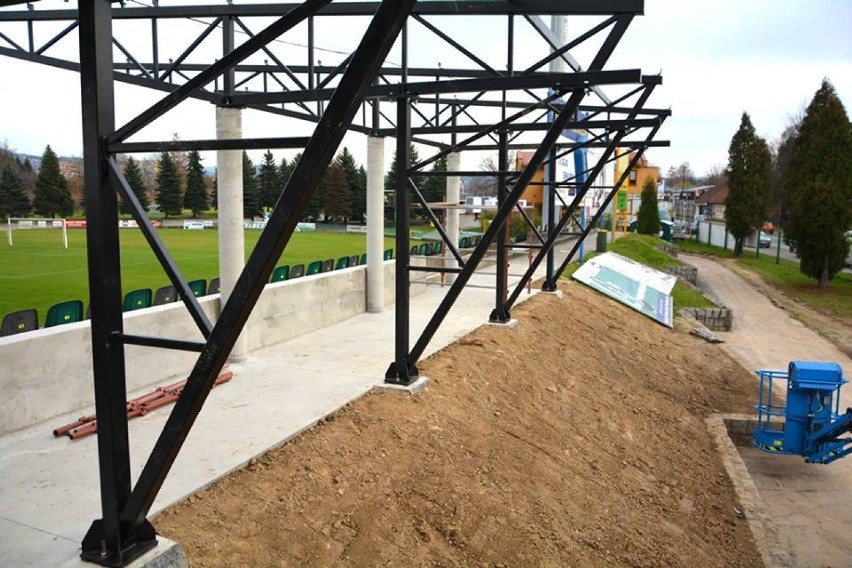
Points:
x=765 y=240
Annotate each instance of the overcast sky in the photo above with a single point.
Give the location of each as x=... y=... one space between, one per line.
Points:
x=718 y=59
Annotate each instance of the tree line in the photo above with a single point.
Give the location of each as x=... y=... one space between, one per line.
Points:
x=809 y=178
x=22 y=191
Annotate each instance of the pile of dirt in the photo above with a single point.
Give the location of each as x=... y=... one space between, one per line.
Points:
x=575 y=439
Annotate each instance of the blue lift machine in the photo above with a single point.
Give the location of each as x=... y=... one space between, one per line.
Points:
x=810 y=423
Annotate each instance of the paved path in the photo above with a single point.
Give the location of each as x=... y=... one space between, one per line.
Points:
x=810 y=504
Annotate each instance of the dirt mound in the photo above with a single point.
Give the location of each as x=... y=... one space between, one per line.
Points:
x=576 y=439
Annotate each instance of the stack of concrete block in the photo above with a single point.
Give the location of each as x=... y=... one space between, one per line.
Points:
x=714 y=319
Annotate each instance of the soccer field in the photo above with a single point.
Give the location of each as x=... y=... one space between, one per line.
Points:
x=37 y=272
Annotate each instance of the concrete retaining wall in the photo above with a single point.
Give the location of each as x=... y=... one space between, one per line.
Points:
x=47 y=373
x=714 y=319
x=670 y=250
x=687 y=272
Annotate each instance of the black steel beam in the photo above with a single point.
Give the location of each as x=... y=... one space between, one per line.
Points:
x=214 y=144
x=105 y=542
x=554 y=81
x=374 y=47
x=431 y=8
x=631 y=164
x=164 y=343
x=294 y=17
x=604 y=52
x=551 y=240
x=400 y=371
x=159 y=249
x=532 y=126
x=498 y=314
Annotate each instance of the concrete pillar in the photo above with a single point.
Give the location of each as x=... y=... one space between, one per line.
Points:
x=229 y=164
x=453 y=196
x=375 y=224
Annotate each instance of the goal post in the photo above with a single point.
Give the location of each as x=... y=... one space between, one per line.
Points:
x=35 y=223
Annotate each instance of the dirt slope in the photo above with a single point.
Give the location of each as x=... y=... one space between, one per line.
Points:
x=575 y=439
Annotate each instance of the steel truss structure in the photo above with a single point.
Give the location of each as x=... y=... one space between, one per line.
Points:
x=480 y=107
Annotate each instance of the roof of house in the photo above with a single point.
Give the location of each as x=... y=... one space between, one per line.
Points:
x=715 y=196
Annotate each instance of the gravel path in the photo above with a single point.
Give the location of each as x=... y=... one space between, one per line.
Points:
x=810 y=504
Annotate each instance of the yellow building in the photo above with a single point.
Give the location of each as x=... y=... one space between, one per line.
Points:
x=641 y=172
x=534 y=191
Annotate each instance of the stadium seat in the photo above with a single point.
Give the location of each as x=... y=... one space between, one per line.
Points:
x=363 y=259
x=314 y=268
x=280 y=273
x=353 y=260
x=64 y=312
x=198 y=287
x=328 y=265
x=214 y=287
x=19 y=322
x=388 y=254
x=413 y=250
x=422 y=249
x=137 y=299
x=297 y=271
x=165 y=295
x=342 y=262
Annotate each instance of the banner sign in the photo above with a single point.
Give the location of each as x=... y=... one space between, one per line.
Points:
x=635 y=285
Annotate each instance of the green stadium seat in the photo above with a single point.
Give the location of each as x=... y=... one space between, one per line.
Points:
x=280 y=273
x=137 y=299
x=297 y=271
x=353 y=260
x=215 y=287
x=64 y=312
x=464 y=242
x=413 y=250
x=363 y=259
x=342 y=262
x=421 y=250
x=328 y=265
x=198 y=287
x=165 y=295
x=388 y=254
x=19 y=322
x=314 y=268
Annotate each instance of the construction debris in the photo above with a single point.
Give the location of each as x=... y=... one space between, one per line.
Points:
x=140 y=406
x=706 y=335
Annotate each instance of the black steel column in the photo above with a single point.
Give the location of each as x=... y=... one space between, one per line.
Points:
x=400 y=372
x=500 y=314
x=106 y=541
x=550 y=183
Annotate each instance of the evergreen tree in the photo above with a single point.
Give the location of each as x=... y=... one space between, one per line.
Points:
x=195 y=198
x=251 y=201
x=268 y=181
x=390 y=177
x=52 y=196
x=13 y=200
x=336 y=198
x=133 y=175
x=168 y=185
x=648 y=217
x=214 y=190
x=434 y=188
x=819 y=187
x=357 y=185
x=314 y=208
x=749 y=176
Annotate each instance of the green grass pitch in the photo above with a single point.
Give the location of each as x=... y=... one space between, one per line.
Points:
x=37 y=272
